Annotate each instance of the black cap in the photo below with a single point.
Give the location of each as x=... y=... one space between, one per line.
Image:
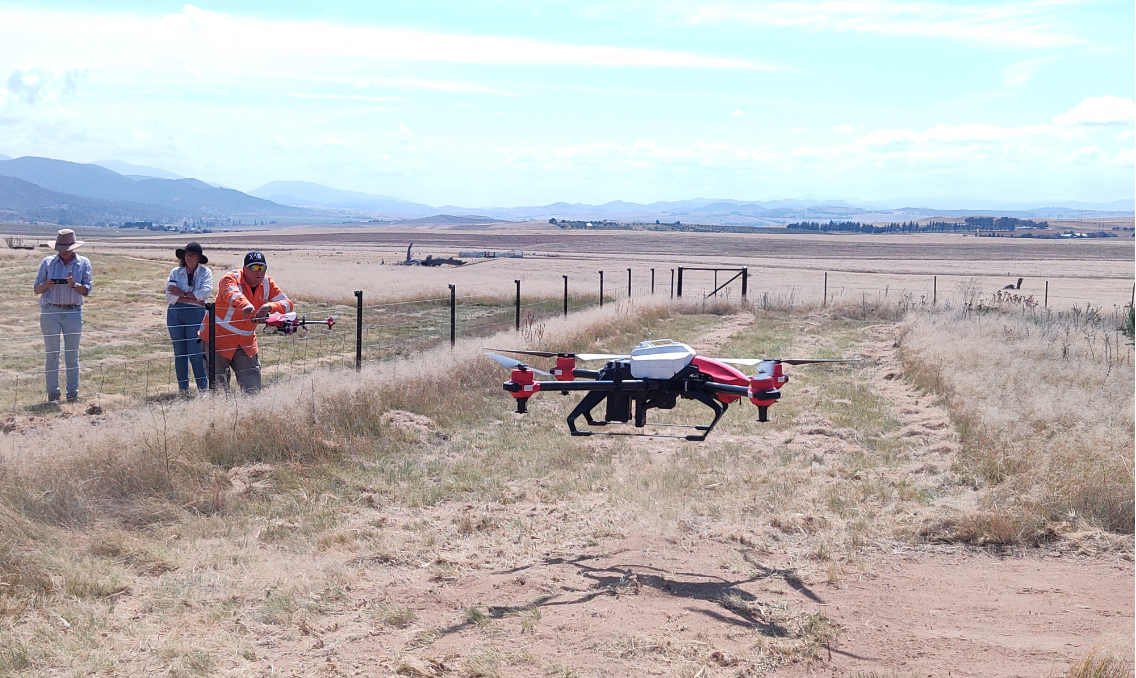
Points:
x=191 y=247
x=255 y=258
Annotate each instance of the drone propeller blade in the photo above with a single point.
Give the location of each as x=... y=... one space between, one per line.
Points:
x=553 y=354
x=739 y=361
x=600 y=356
x=541 y=354
x=510 y=363
x=787 y=361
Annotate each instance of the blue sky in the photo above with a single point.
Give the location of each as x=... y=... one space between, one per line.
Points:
x=492 y=103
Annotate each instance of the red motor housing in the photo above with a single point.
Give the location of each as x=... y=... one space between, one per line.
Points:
x=565 y=366
x=524 y=379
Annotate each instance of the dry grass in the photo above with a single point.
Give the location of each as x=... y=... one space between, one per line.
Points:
x=1101 y=663
x=1044 y=406
x=234 y=519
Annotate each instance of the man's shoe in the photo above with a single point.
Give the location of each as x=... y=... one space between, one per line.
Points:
x=53 y=399
x=73 y=398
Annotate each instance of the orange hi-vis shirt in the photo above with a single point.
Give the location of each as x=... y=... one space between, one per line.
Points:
x=233 y=330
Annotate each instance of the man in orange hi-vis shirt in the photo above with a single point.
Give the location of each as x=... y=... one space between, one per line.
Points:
x=243 y=297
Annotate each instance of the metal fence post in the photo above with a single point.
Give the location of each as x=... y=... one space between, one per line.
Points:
x=601 y=289
x=518 y=304
x=934 y=290
x=680 y=282
x=629 y=283
x=358 y=330
x=565 y=296
x=453 y=316
x=825 y=301
x=672 y=283
x=745 y=281
x=1046 y=294
x=211 y=308
x=652 y=281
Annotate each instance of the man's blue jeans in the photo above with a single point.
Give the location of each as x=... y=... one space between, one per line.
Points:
x=53 y=321
x=183 y=321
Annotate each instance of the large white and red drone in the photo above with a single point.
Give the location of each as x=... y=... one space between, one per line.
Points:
x=653 y=376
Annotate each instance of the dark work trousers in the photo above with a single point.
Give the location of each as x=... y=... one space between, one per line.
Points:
x=247 y=370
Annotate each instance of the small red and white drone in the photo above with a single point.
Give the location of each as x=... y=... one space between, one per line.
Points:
x=653 y=376
x=288 y=323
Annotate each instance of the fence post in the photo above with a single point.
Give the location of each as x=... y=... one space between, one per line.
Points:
x=453 y=316
x=680 y=282
x=601 y=289
x=358 y=330
x=745 y=281
x=565 y=296
x=825 y=301
x=1046 y=294
x=652 y=281
x=715 y=293
x=934 y=290
x=629 y=283
x=672 y=283
x=211 y=308
x=518 y=304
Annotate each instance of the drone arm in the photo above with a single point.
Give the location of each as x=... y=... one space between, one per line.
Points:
x=604 y=385
x=728 y=389
x=586 y=374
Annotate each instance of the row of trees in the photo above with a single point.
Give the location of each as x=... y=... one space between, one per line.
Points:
x=965 y=226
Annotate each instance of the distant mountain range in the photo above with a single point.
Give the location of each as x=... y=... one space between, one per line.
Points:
x=697 y=210
x=307 y=194
x=70 y=188
x=109 y=191
x=136 y=171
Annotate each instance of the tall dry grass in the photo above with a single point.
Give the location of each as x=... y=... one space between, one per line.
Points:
x=1044 y=405
x=170 y=461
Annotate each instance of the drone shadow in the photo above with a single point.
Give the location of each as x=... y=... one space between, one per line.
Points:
x=627 y=579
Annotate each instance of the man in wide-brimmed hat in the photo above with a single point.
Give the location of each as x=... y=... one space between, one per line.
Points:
x=63 y=282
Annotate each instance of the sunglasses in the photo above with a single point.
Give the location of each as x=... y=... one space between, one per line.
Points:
x=257 y=268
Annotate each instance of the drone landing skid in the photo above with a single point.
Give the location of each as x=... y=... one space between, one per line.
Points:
x=594 y=398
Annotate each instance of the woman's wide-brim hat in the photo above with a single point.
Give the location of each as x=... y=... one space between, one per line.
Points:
x=65 y=241
x=191 y=247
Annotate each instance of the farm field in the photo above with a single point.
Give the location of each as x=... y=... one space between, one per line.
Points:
x=1097 y=271
x=920 y=513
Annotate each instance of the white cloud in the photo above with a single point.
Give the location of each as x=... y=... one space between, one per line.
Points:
x=1017 y=75
x=412 y=83
x=343 y=97
x=1020 y=24
x=843 y=129
x=228 y=40
x=969 y=132
x=1106 y=110
x=38 y=84
x=737 y=113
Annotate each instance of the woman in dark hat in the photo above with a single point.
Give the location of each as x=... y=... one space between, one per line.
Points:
x=189 y=286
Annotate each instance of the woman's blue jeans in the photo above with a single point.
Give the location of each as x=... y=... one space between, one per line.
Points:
x=183 y=321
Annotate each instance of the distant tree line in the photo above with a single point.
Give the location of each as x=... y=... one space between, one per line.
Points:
x=640 y=226
x=965 y=226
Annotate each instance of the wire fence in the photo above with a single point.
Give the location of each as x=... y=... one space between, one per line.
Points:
x=126 y=362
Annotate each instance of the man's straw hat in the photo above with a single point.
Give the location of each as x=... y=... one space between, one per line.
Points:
x=65 y=241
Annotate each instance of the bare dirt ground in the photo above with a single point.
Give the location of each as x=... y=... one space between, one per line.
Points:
x=330 y=263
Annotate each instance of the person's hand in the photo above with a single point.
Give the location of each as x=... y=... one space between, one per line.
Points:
x=247 y=310
x=70 y=281
x=263 y=311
